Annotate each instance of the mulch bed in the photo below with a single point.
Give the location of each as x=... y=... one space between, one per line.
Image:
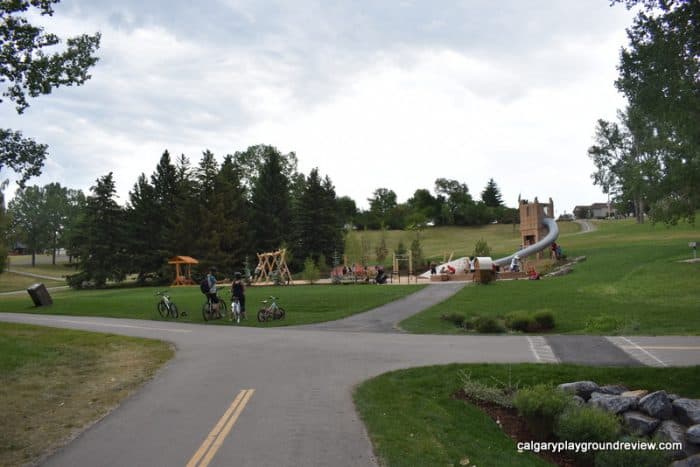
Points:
x=516 y=427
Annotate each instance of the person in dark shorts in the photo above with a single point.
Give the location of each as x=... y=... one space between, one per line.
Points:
x=238 y=291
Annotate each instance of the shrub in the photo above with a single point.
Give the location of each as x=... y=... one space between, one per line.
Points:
x=488 y=325
x=311 y=272
x=483 y=392
x=604 y=323
x=585 y=423
x=470 y=324
x=518 y=321
x=631 y=458
x=544 y=319
x=541 y=405
x=481 y=248
x=455 y=318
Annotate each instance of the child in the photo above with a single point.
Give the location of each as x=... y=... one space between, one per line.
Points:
x=238 y=291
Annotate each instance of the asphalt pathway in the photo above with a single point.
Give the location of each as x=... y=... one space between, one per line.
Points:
x=298 y=383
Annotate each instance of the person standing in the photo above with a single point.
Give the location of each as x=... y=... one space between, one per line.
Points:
x=238 y=292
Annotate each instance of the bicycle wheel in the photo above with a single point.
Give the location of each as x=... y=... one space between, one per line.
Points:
x=223 y=309
x=162 y=309
x=280 y=313
x=206 y=312
x=173 y=310
x=262 y=315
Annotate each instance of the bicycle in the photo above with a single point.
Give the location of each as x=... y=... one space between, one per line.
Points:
x=166 y=307
x=235 y=309
x=271 y=311
x=208 y=312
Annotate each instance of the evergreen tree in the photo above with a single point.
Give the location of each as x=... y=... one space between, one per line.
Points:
x=271 y=205
x=145 y=230
x=100 y=242
x=491 y=196
x=185 y=213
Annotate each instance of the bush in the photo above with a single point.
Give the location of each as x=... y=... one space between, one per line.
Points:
x=311 y=272
x=488 y=325
x=483 y=392
x=455 y=318
x=603 y=324
x=541 y=405
x=481 y=248
x=544 y=319
x=518 y=321
x=585 y=423
x=631 y=458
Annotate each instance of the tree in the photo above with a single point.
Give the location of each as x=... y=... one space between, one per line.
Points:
x=4 y=227
x=491 y=196
x=28 y=69
x=423 y=205
x=29 y=222
x=251 y=161
x=271 y=204
x=99 y=240
x=381 y=205
x=58 y=211
x=659 y=76
x=144 y=234
x=456 y=199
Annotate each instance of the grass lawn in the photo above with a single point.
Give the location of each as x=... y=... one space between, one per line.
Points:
x=632 y=283
x=54 y=382
x=10 y=282
x=304 y=304
x=436 y=241
x=412 y=418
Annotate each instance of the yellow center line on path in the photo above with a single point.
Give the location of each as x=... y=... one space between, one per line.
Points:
x=662 y=347
x=215 y=439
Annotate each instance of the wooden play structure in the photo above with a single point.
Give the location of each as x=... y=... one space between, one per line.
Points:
x=270 y=264
x=183 y=269
x=396 y=271
x=532 y=229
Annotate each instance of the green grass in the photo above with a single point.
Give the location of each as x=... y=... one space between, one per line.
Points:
x=412 y=418
x=55 y=382
x=304 y=304
x=632 y=283
x=438 y=241
x=10 y=282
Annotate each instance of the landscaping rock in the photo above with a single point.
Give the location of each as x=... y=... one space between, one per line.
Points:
x=614 y=389
x=693 y=434
x=579 y=259
x=560 y=272
x=692 y=461
x=657 y=404
x=578 y=400
x=580 y=388
x=675 y=432
x=687 y=411
x=672 y=397
x=613 y=404
x=639 y=393
x=640 y=423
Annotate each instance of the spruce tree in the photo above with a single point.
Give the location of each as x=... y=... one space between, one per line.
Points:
x=271 y=205
x=491 y=196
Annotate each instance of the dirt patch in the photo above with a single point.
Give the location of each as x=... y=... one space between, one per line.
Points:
x=515 y=427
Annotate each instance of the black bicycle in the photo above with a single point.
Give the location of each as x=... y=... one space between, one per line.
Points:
x=211 y=312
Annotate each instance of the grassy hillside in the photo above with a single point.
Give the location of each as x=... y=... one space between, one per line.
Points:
x=631 y=283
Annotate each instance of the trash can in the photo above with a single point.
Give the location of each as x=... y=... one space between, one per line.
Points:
x=484 y=273
x=40 y=296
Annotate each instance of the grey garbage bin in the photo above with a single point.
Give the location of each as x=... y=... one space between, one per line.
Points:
x=40 y=296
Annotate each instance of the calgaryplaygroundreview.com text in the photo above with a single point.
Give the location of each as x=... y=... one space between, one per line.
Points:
x=590 y=446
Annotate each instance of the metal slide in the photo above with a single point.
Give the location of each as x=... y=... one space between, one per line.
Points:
x=550 y=238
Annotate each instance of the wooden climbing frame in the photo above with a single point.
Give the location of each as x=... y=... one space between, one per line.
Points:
x=268 y=264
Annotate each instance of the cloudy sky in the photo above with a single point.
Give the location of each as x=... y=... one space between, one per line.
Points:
x=374 y=93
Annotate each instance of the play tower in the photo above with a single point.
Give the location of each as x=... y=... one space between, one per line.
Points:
x=532 y=225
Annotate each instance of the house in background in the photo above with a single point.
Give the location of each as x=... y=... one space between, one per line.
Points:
x=595 y=211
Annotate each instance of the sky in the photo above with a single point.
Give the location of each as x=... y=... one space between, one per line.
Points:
x=391 y=94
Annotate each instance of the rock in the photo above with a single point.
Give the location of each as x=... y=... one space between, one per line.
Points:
x=578 y=400
x=687 y=411
x=579 y=259
x=692 y=461
x=611 y=403
x=657 y=404
x=614 y=389
x=560 y=272
x=639 y=423
x=580 y=388
x=693 y=434
x=672 y=397
x=674 y=432
x=639 y=393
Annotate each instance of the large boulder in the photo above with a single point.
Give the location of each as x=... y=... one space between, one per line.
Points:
x=613 y=404
x=614 y=389
x=674 y=432
x=639 y=393
x=693 y=434
x=687 y=411
x=692 y=461
x=580 y=388
x=639 y=423
x=657 y=405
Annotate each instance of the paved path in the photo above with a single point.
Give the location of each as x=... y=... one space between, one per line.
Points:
x=301 y=412
x=586 y=226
